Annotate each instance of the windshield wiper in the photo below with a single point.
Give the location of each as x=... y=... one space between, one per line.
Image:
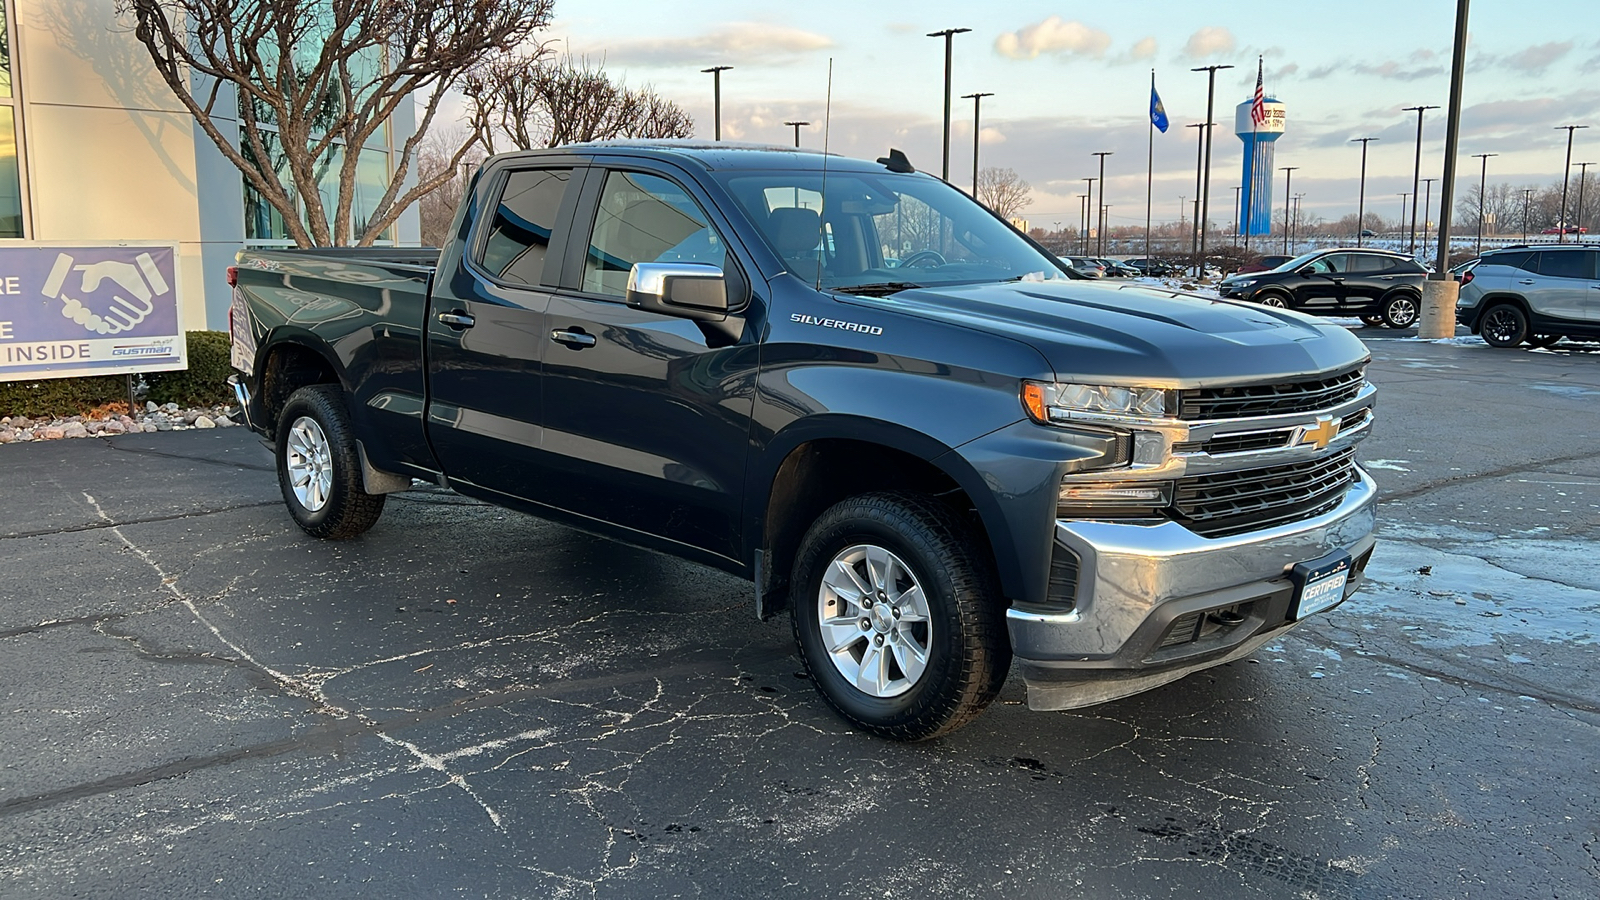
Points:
x=878 y=289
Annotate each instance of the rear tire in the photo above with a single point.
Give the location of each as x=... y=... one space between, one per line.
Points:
x=1373 y=321
x=1542 y=341
x=1504 y=325
x=898 y=617
x=1400 y=310
x=319 y=470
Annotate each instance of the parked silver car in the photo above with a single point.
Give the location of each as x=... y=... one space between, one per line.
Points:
x=1533 y=295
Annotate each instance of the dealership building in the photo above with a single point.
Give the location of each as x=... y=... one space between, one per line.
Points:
x=96 y=151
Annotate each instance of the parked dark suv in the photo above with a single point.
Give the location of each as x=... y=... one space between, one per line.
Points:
x=1382 y=288
x=1536 y=295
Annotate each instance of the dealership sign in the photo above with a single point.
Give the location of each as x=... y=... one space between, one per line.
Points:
x=68 y=311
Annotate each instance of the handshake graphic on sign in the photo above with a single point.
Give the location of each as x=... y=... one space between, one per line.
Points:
x=120 y=308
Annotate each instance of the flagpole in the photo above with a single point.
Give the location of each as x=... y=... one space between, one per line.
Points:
x=1150 y=175
x=1255 y=174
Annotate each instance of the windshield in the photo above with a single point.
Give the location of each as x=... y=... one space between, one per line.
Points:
x=1298 y=261
x=883 y=232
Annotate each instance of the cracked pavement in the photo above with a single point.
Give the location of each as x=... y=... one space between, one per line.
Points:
x=199 y=700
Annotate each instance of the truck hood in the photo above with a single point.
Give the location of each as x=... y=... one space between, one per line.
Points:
x=1137 y=334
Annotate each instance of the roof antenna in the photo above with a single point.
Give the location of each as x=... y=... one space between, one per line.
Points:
x=827 y=120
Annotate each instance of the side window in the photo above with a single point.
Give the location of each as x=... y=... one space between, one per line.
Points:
x=1565 y=264
x=645 y=218
x=1361 y=262
x=1526 y=261
x=519 y=236
x=1327 y=264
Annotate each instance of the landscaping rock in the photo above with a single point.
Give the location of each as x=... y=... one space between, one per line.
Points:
x=114 y=426
x=148 y=428
x=204 y=422
x=51 y=433
x=74 y=430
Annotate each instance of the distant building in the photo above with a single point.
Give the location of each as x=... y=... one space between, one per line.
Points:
x=95 y=149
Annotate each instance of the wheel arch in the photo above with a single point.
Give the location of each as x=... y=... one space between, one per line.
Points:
x=824 y=459
x=292 y=359
x=1495 y=299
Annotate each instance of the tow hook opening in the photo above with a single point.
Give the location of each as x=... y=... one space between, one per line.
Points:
x=1203 y=623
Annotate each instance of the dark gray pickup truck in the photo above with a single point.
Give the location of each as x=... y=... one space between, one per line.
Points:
x=851 y=384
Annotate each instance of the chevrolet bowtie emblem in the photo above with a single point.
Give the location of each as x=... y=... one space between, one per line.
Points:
x=1320 y=434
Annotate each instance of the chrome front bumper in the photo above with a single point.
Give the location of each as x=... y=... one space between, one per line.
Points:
x=1135 y=581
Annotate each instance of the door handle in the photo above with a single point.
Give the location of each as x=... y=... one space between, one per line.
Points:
x=1526 y=281
x=1386 y=277
x=576 y=338
x=459 y=320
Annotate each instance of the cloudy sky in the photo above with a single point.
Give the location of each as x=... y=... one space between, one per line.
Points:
x=1073 y=78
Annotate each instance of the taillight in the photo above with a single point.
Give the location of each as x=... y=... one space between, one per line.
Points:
x=233 y=276
x=1466 y=278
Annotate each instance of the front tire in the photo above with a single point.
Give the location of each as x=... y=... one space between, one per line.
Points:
x=1542 y=341
x=1400 y=311
x=1274 y=300
x=1504 y=325
x=897 y=616
x=319 y=470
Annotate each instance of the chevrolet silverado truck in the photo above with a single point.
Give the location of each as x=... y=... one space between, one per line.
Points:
x=849 y=383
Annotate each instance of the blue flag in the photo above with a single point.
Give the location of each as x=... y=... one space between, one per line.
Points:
x=1158 y=113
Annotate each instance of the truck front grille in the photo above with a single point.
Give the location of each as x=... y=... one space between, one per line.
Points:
x=1206 y=404
x=1235 y=502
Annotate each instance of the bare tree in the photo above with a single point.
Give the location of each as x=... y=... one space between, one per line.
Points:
x=536 y=101
x=1003 y=191
x=314 y=80
x=436 y=156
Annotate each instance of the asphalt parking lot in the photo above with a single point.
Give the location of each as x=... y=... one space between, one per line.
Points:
x=199 y=700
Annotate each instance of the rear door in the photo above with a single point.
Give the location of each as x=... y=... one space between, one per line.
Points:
x=486 y=330
x=1369 y=278
x=1563 y=284
x=647 y=416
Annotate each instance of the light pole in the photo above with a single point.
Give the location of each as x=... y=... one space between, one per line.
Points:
x=1583 y=175
x=1361 y=202
x=1427 y=208
x=1105 y=216
x=1288 y=180
x=947 y=34
x=1444 y=325
x=1403 y=197
x=1527 y=200
x=1416 y=176
x=1236 y=189
x=1566 y=175
x=716 y=101
x=977 y=106
x=1205 y=195
x=1083 y=224
x=796 y=126
x=1100 y=227
x=1483 y=180
x=1194 y=231
x=1087 y=205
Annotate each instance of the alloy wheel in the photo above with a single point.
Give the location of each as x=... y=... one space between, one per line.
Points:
x=874 y=620
x=310 y=463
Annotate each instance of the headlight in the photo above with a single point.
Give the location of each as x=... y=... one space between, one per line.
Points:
x=1245 y=283
x=1049 y=403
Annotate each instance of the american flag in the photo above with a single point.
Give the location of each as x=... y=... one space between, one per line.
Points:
x=1258 y=106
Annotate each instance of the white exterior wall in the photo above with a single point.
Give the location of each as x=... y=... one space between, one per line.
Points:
x=109 y=155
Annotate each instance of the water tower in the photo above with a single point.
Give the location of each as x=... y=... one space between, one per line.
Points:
x=1255 y=200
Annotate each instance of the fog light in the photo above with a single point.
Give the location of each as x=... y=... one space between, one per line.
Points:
x=1117 y=494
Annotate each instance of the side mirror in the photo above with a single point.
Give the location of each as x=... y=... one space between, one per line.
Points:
x=694 y=291
x=1304 y=272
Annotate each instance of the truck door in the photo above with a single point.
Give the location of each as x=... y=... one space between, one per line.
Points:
x=486 y=329
x=647 y=416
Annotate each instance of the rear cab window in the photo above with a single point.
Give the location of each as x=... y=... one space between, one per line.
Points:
x=517 y=244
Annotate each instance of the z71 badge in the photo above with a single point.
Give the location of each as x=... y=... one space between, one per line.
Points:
x=835 y=323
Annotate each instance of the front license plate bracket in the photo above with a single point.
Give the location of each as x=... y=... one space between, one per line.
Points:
x=1319 y=584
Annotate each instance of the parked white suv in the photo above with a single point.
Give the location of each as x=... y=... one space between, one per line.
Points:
x=1533 y=295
